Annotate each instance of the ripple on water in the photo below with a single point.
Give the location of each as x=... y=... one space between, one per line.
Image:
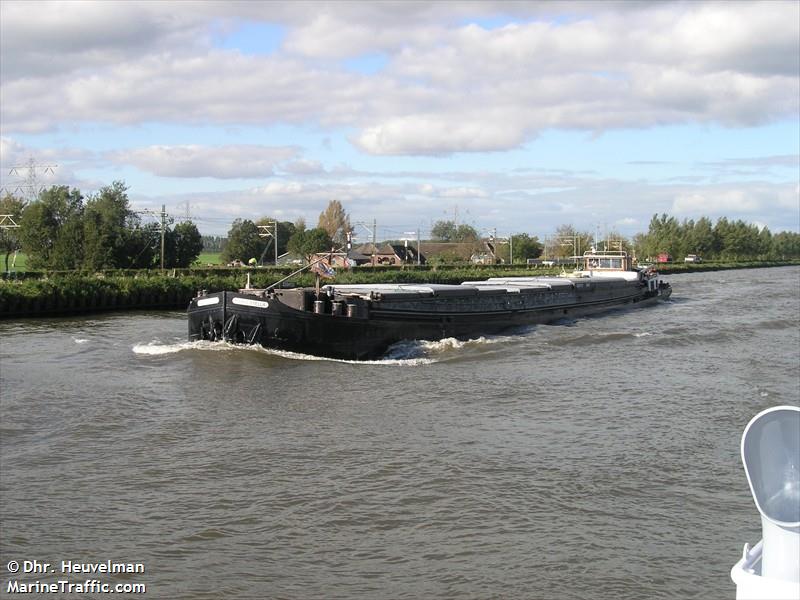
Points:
x=596 y=458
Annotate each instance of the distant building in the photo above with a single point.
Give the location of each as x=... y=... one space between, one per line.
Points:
x=476 y=252
x=398 y=254
x=343 y=260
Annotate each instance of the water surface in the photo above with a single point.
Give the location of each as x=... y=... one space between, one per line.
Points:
x=588 y=459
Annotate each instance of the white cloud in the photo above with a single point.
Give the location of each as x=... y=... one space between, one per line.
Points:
x=11 y=151
x=303 y=167
x=713 y=201
x=222 y=162
x=463 y=192
x=439 y=134
x=510 y=203
x=447 y=86
x=50 y=38
x=450 y=84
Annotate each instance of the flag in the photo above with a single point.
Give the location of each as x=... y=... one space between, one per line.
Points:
x=323 y=269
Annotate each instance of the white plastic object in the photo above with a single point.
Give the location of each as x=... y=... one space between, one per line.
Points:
x=750 y=585
x=771 y=457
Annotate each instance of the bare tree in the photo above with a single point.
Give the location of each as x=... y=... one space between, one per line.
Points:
x=335 y=221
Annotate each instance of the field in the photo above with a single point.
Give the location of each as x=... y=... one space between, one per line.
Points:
x=208 y=258
x=205 y=259
x=19 y=265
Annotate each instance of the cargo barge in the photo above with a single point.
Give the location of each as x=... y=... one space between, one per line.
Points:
x=359 y=322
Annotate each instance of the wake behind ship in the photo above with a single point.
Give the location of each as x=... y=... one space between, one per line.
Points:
x=359 y=322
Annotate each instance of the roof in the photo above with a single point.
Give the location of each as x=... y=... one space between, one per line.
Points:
x=405 y=254
x=366 y=249
x=462 y=250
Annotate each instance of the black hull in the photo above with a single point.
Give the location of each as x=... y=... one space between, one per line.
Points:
x=366 y=334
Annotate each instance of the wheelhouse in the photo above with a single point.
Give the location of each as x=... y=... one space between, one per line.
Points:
x=615 y=260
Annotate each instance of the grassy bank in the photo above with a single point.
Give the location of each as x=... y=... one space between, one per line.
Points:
x=69 y=292
x=208 y=259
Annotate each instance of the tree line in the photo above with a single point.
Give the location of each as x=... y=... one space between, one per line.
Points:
x=248 y=240
x=63 y=230
x=723 y=240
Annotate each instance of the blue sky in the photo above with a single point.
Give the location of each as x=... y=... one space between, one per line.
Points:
x=519 y=116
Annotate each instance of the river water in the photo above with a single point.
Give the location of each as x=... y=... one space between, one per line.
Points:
x=596 y=458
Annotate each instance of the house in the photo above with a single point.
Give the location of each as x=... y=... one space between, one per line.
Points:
x=398 y=254
x=368 y=250
x=343 y=260
x=477 y=252
x=487 y=255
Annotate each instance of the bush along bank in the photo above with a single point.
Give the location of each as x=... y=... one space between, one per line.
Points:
x=63 y=293
x=77 y=294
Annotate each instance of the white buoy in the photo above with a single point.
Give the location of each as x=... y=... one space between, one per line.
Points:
x=771 y=458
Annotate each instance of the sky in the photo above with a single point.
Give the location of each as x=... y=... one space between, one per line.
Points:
x=515 y=117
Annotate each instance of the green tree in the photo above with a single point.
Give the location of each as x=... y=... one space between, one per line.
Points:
x=466 y=233
x=662 y=236
x=567 y=242
x=213 y=243
x=107 y=224
x=738 y=240
x=526 y=247
x=448 y=231
x=186 y=244
x=335 y=221
x=243 y=242
x=51 y=229
x=9 y=237
x=702 y=240
x=144 y=247
x=444 y=231
x=309 y=242
x=786 y=245
x=764 y=243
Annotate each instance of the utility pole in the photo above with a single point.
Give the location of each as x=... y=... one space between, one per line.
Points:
x=163 y=231
x=405 y=239
x=264 y=232
x=373 y=231
x=163 y=216
x=419 y=254
x=511 y=248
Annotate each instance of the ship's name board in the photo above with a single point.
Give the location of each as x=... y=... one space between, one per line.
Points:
x=249 y=302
